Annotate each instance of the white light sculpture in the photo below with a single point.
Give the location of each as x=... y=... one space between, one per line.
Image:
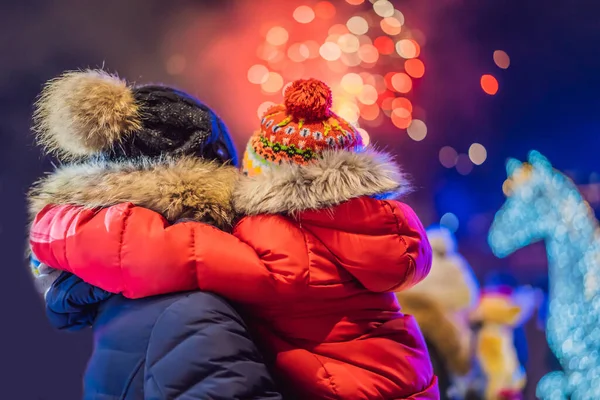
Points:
x=544 y=204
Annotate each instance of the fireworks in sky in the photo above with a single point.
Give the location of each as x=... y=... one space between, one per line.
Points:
x=367 y=52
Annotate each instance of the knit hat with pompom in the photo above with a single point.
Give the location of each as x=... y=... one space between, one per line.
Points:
x=91 y=113
x=299 y=130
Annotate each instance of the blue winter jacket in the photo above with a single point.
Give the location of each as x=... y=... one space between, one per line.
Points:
x=181 y=346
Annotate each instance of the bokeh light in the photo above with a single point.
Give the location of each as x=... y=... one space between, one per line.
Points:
x=398 y=16
x=417 y=130
x=330 y=51
x=391 y=26
x=384 y=44
x=400 y=118
x=258 y=74
x=450 y=221
x=364 y=136
x=402 y=102
x=369 y=112
x=464 y=166
x=262 y=109
x=298 y=52
x=407 y=48
x=349 y=112
x=368 y=95
x=489 y=84
x=401 y=82
x=277 y=36
x=348 y=43
x=368 y=53
x=383 y=8
x=358 y=25
x=352 y=83
x=304 y=14
x=477 y=153
x=448 y=156
x=501 y=59
x=273 y=83
x=415 y=68
x=345 y=47
x=324 y=10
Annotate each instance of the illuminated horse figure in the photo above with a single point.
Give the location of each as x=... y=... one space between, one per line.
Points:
x=543 y=204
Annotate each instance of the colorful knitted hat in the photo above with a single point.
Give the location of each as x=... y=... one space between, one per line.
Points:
x=299 y=130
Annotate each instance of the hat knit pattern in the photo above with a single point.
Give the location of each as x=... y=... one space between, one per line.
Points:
x=299 y=130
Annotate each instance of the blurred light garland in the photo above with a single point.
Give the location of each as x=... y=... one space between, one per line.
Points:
x=543 y=204
x=369 y=57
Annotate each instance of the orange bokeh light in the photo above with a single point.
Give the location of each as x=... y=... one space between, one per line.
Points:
x=489 y=84
x=368 y=53
x=273 y=84
x=277 y=36
x=391 y=26
x=258 y=74
x=337 y=29
x=399 y=118
x=355 y=2
x=414 y=67
x=402 y=102
x=401 y=82
x=325 y=10
x=369 y=112
x=384 y=44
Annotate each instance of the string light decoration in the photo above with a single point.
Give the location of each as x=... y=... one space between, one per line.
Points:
x=364 y=51
x=543 y=204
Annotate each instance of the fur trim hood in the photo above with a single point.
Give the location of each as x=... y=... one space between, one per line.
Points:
x=451 y=342
x=336 y=177
x=183 y=188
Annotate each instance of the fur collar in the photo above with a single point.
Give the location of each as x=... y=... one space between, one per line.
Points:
x=334 y=178
x=186 y=188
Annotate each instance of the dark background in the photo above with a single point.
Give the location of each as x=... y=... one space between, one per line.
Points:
x=548 y=100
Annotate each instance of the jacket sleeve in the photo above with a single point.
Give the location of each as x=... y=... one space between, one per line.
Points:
x=408 y=262
x=72 y=304
x=200 y=349
x=134 y=251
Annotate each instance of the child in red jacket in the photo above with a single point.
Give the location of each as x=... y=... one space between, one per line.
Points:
x=314 y=263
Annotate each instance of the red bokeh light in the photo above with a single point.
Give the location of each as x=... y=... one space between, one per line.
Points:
x=489 y=84
x=325 y=10
x=414 y=67
x=384 y=44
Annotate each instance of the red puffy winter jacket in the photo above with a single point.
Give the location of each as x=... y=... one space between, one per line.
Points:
x=317 y=285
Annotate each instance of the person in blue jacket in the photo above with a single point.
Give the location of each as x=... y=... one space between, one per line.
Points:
x=182 y=346
x=170 y=153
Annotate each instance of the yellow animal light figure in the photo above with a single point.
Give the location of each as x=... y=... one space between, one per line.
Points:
x=499 y=312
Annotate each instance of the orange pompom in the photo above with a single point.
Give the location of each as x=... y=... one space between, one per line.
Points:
x=308 y=99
